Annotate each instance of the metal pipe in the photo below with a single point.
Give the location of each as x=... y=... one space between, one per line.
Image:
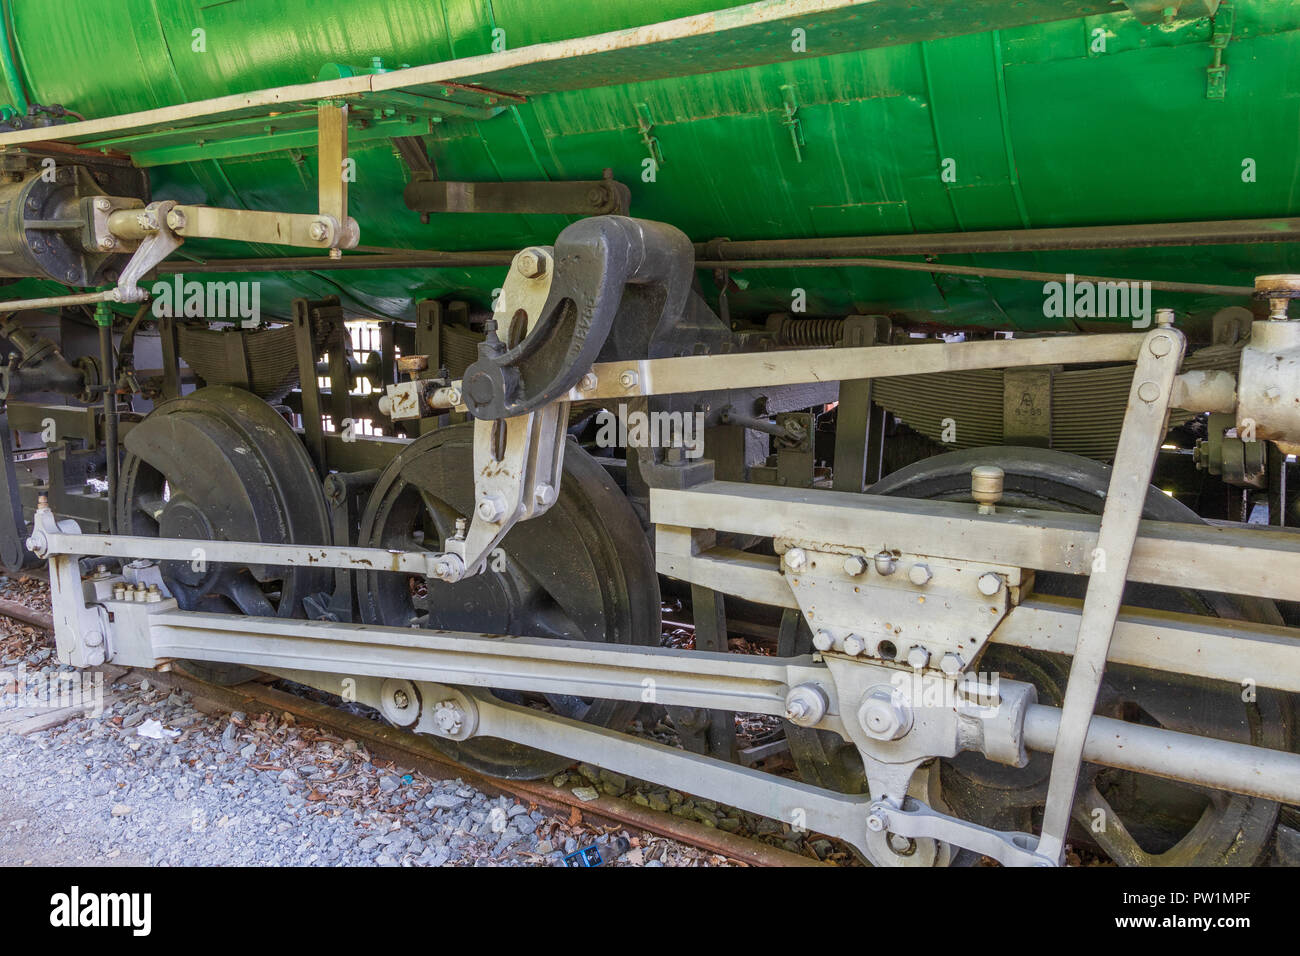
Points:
x=498 y=259
x=414 y=260
x=1159 y=285
x=104 y=319
x=58 y=301
x=1146 y=235
x=1220 y=764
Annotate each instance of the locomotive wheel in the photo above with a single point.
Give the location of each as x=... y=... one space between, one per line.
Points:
x=582 y=571
x=1161 y=822
x=220 y=464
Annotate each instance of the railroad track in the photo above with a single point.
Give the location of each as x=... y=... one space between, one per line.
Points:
x=413 y=752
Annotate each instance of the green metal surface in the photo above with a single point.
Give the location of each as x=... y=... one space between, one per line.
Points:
x=1041 y=128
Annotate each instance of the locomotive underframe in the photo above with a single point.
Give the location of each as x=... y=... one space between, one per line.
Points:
x=858 y=685
x=450 y=671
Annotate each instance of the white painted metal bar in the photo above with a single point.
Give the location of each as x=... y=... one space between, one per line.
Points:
x=1255 y=562
x=1145 y=422
x=690 y=373
x=1221 y=764
x=739 y=682
x=1265 y=655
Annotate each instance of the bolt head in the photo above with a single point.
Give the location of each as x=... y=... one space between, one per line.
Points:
x=628 y=379
x=918 y=657
x=531 y=263
x=796 y=559
x=491 y=508
x=855 y=565
x=102 y=204
x=588 y=383
x=317 y=230
x=919 y=574
x=823 y=640
x=544 y=494
x=989 y=583
x=875 y=823
x=806 y=704
x=854 y=645
x=884 y=714
x=952 y=664
x=448 y=718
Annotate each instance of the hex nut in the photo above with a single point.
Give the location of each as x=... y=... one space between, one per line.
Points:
x=796 y=559
x=952 y=664
x=806 y=704
x=918 y=657
x=491 y=508
x=920 y=574
x=854 y=645
x=884 y=714
x=823 y=640
x=989 y=583
x=531 y=263
x=855 y=565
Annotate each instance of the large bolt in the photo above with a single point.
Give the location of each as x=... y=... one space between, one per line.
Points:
x=823 y=640
x=543 y=494
x=920 y=574
x=587 y=383
x=448 y=718
x=986 y=487
x=854 y=565
x=628 y=378
x=491 y=508
x=918 y=657
x=806 y=705
x=952 y=664
x=854 y=645
x=989 y=583
x=884 y=714
x=1160 y=345
x=531 y=263
x=318 y=230
x=796 y=559
x=175 y=220
x=886 y=563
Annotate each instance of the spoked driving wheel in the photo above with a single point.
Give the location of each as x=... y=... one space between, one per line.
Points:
x=221 y=464
x=1133 y=819
x=582 y=571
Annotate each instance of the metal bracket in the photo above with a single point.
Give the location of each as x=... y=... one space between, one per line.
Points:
x=792 y=122
x=646 y=124
x=1216 y=86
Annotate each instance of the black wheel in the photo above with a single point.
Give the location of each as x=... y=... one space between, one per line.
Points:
x=220 y=464
x=582 y=571
x=1160 y=822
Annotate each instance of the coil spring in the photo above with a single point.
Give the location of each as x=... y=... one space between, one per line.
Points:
x=792 y=331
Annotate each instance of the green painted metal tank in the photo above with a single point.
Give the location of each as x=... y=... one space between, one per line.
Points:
x=1092 y=120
